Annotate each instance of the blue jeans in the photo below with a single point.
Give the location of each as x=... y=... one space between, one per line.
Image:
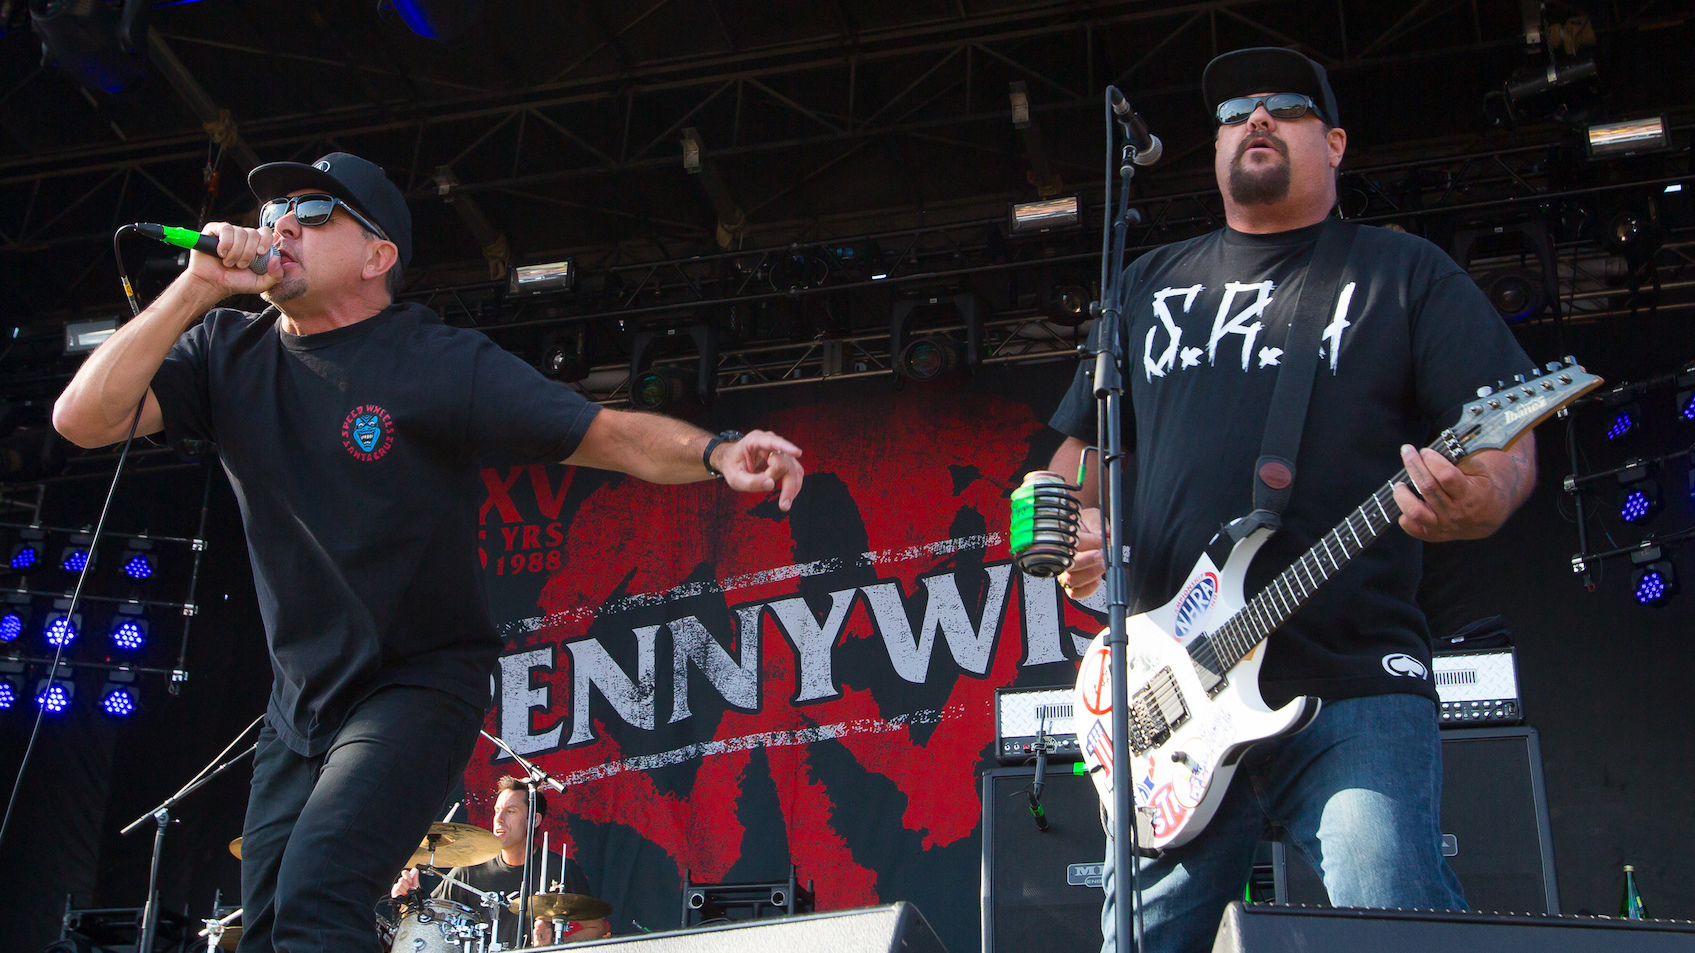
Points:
x=1357 y=794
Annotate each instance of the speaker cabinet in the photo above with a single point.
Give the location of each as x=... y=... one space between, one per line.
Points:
x=896 y=928
x=1041 y=889
x=1494 y=825
x=1265 y=929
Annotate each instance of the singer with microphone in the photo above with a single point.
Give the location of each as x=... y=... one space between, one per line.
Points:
x=352 y=427
x=1408 y=338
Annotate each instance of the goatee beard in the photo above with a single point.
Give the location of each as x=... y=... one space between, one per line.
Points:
x=285 y=290
x=1259 y=187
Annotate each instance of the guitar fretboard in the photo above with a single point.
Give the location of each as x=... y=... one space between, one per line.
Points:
x=1271 y=606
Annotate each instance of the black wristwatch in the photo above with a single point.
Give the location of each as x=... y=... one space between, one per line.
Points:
x=728 y=436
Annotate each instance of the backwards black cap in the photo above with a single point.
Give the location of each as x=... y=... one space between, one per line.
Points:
x=1267 y=69
x=358 y=182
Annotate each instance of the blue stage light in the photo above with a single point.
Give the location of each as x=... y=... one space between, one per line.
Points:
x=1655 y=579
x=25 y=556
x=129 y=634
x=1650 y=586
x=1686 y=405
x=1623 y=422
x=139 y=567
x=8 y=695
x=55 y=697
x=61 y=630
x=1639 y=496
x=118 y=702
x=74 y=559
x=11 y=626
x=1635 y=506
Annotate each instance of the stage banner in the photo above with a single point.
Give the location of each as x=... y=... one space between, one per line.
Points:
x=727 y=689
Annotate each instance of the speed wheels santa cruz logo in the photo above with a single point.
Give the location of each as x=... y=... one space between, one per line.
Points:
x=368 y=432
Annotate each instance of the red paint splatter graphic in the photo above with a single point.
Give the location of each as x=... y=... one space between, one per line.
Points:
x=920 y=481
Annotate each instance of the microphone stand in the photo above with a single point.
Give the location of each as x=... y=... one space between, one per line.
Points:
x=533 y=776
x=161 y=816
x=1111 y=366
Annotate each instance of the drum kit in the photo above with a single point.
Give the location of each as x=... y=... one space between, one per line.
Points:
x=416 y=923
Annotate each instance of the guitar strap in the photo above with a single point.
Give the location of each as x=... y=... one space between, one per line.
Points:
x=1274 y=472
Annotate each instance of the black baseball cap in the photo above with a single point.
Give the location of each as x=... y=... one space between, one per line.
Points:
x=1267 y=69
x=358 y=182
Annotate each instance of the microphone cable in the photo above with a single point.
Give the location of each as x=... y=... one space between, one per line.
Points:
x=93 y=556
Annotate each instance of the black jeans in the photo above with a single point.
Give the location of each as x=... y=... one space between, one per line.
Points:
x=326 y=836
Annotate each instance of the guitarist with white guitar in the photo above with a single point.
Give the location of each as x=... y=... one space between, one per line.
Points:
x=1352 y=769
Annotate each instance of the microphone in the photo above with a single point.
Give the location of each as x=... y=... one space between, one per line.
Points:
x=1147 y=145
x=1044 y=524
x=200 y=242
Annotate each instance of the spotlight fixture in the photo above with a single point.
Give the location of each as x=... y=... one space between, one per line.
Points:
x=563 y=362
x=1515 y=295
x=439 y=20
x=926 y=349
x=54 y=696
x=1064 y=298
x=138 y=559
x=15 y=617
x=1627 y=138
x=930 y=358
x=658 y=386
x=1655 y=579
x=26 y=554
x=1622 y=414
x=1025 y=218
x=653 y=386
x=84 y=336
x=75 y=556
x=61 y=628
x=1519 y=290
x=1686 y=394
x=552 y=276
x=129 y=628
x=120 y=697
x=93 y=42
x=1639 y=501
x=11 y=684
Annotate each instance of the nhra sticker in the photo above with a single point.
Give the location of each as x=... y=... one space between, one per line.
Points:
x=368 y=432
x=1197 y=599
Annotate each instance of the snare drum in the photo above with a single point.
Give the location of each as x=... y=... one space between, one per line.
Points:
x=439 y=926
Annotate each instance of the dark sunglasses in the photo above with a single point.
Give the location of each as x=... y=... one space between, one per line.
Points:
x=1279 y=105
x=313 y=208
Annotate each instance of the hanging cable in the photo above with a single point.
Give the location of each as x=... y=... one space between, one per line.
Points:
x=93 y=555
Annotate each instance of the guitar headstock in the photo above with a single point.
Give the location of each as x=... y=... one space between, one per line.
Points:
x=1502 y=414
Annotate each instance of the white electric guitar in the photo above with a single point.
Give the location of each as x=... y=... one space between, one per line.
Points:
x=1195 y=706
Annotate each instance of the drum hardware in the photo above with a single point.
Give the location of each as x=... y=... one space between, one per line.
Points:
x=455 y=845
x=434 y=925
x=219 y=934
x=161 y=818
x=534 y=777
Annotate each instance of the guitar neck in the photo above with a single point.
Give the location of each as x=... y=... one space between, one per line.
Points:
x=1274 y=604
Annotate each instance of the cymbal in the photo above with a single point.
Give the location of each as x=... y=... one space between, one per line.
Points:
x=566 y=906
x=455 y=845
x=235 y=848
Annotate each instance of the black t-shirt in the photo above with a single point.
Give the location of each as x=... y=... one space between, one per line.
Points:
x=499 y=876
x=354 y=454
x=1411 y=339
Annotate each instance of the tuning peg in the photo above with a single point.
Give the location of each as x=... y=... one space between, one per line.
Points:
x=1485 y=391
x=1570 y=360
x=1553 y=366
x=1518 y=378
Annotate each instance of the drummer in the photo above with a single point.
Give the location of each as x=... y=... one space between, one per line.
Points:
x=505 y=872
